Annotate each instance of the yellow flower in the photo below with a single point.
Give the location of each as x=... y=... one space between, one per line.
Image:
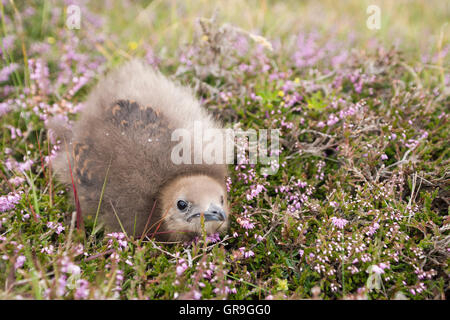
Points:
x=51 y=40
x=282 y=285
x=205 y=38
x=132 y=45
x=281 y=93
x=297 y=80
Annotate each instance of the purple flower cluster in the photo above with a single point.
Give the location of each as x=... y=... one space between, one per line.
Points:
x=57 y=226
x=119 y=238
x=6 y=71
x=339 y=222
x=9 y=201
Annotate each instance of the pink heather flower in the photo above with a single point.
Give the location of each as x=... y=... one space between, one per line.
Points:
x=6 y=71
x=68 y=266
x=255 y=190
x=182 y=266
x=384 y=156
x=128 y=262
x=241 y=45
x=226 y=290
x=116 y=235
x=245 y=223
x=339 y=59
x=377 y=269
x=79 y=249
x=82 y=291
x=229 y=183
x=197 y=295
x=249 y=254
x=48 y=250
x=114 y=257
x=5 y=107
x=61 y=285
x=151 y=57
x=181 y=269
x=122 y=243
x=208 y=274
x=383 y=266
x=16 y=181
x=39 y=73
x=334 y=204
x=15 y=132
x=57 y=226
x=7 y=43
x=232 y=290
x=373 y=229
x=9 y=201
x=246 y=254
x=120 y=237
x=213 y=238
x=332 y=119
x=19 y=262
x=338 y=222
x=119 y=277
x=25 y=166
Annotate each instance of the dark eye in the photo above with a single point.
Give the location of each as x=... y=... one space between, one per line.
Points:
x=182 y=205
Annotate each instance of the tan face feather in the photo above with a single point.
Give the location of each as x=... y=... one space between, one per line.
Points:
x=202 y=193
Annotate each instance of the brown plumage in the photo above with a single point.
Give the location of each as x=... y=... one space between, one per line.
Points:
x=123 y=137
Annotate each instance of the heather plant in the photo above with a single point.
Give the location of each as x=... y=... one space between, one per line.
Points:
x=357 y=209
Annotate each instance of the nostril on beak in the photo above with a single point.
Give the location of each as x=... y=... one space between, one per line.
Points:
x=214 y=213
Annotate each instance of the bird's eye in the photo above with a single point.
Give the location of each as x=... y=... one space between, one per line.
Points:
x=182 y=205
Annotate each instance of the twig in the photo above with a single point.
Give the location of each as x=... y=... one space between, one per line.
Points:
x=163 y=251
x=72 y=226
x=148 y=221
x=98 y=255
x=118 y=219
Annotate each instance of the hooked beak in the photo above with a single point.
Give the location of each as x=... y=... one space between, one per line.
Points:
x=214 y=213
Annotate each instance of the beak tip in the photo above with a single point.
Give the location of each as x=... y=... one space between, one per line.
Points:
x=215 y=214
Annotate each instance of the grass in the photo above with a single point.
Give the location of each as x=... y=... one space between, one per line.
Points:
x=358 y=207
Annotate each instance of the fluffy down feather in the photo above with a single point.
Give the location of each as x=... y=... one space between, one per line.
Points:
x=125 y=129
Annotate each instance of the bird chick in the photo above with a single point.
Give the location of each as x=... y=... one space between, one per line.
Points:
x=122 y=142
